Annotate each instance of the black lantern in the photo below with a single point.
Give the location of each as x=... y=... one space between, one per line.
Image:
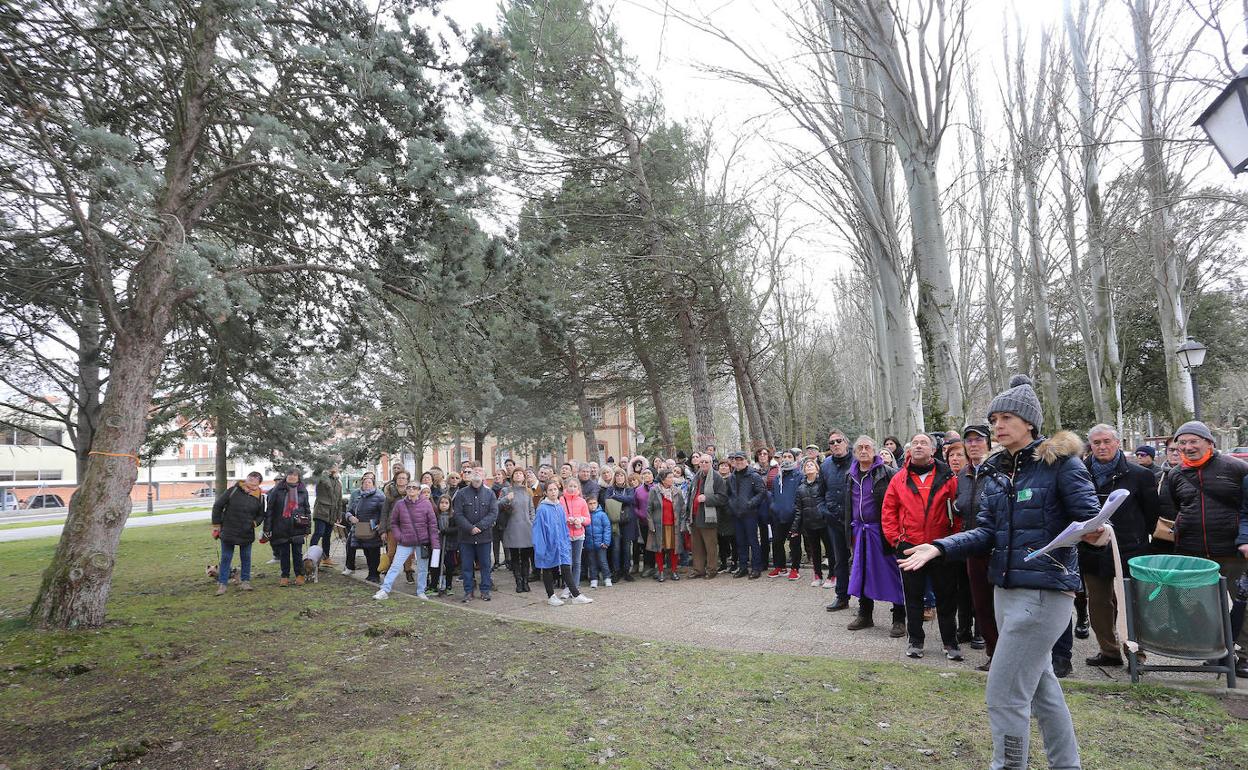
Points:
x=1225 y=122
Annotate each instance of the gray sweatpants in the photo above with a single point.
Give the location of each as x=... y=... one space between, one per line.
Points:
x=1021 y=680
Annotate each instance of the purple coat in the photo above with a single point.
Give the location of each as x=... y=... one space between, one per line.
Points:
x=414 y=523
x=642 y=497
x=874 y=574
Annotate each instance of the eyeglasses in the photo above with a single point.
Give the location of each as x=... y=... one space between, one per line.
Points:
x=835 y=441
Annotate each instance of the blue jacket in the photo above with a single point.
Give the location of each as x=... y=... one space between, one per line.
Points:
x=746 y=492
x=551 y=545
x=784 y=496
x=598 y=533
x=834 y=473
x=1028 y=499
x=475 y=507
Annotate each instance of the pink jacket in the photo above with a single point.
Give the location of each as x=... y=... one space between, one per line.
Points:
x=414 y=523
x=577 y=514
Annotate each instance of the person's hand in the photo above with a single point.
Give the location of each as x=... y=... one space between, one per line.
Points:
x=1243 y=550
x=264 y=537
x=354 y=520
x=511 y=495
x=1098 y=537
x=701 y=498
x=216 y=533
x=917 y=556
x=476 y=530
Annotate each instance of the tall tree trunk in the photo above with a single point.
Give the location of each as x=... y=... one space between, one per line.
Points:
x=1022 y=354
x=995 y=353
x=1104 y=326
x=221 y=458
x=87 y=402
x=768 y=432
x=573 y=362
x=918 y=147
x=1166 y=262
x=695 y=355
x=656 y=397
x=1028 y=143
x=1100 y=408
x=478 y=449
x=77 y=582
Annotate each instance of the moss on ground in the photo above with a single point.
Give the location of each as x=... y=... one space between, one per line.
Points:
x=323 y=676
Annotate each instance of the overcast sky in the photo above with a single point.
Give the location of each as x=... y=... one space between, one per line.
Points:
x=677 y=56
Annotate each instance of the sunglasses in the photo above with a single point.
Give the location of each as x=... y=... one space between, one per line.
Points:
x=835 y=441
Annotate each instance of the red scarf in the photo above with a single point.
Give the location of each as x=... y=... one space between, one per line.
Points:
x=1199 y=462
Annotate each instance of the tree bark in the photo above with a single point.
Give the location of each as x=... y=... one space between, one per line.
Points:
x=90 y=334
x=995 y=353
x=1166 y=262
x=656 y=397
x=221 y=458
x=1103 y=324
x=573 y=362
x=478 y=448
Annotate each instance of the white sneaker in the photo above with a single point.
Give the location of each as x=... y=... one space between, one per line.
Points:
x=593 y=583
x=582 y=599
x=608 y=582
x=816 y=582
x=554 y=601
x=271 y=561
x=381 y=595
x=422 y=596
x=566 y=594
x=346 y=572
x=828 y=582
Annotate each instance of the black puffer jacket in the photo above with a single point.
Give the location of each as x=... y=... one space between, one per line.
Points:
x=970 y=489
x=716 y=497
x=1133 y=522
x=237 y=513
x=810 y=511
x=746 y=489
x=1210 y=502
x=367 y=507
x=1029 y=498
x=281 y=528
x=833 y=473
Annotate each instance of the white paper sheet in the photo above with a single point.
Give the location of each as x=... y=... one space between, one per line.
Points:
x=435 y=558
x=1075 y=531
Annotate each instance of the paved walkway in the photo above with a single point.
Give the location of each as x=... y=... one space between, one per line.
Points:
x=54 y=530
x=764 y=615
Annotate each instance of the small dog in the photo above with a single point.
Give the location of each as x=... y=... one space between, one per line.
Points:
x=312 y=563
x=214 y=570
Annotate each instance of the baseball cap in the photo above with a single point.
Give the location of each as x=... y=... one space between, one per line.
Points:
x=737 y=455
x=980 y=429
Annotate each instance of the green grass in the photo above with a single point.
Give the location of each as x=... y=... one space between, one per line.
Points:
x=321 y=675
x=136 y=515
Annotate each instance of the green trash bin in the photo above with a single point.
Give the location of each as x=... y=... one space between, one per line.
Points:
x=1176 y=606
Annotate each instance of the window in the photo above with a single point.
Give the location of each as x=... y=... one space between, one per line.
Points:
x=26 y=476
x=51 y=475
x=596 y=412
x=6 y=475
x=18 y=437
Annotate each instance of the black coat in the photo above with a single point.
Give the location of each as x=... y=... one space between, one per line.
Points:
x=970 y=490
x=810 y=513
x=833 y=473
x=475 y=508
x=1210 y=502
x=284 y=529
x=746 y=490
x=716 y=496
x=1133 y=522
x=367 y=507
x=237 y=513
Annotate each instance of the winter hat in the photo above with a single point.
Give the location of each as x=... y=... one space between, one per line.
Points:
x=1019 y=399
x=1146 y=449
x=1196 y=428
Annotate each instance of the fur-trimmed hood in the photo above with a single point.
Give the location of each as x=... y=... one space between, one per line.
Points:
x=1060 y=445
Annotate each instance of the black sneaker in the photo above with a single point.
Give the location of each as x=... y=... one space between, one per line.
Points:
x=628 y=576
x=1062 y=667
x=740 y=573
x=755 y=575
x=411 y=578
x=485 y=596
x=1101 y=660
x=1081 y=629
x=953 y=653
x=977 y=642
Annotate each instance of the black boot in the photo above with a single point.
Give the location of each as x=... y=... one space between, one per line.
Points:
x=519 y=583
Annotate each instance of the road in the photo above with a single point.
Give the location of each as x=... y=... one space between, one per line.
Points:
x=54 y=530
x=58 y=514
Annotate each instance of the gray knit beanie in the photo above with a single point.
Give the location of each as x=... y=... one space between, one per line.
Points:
x=1019 y=399
x=1196 y=428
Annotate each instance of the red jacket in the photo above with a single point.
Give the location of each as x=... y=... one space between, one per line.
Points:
x=910 y=517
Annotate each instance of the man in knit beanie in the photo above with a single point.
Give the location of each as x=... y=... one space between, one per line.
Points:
x=1207 y=490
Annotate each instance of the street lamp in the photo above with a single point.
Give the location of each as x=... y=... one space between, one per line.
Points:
x=1225 y=122
x=401 y=430
x=1191 y=355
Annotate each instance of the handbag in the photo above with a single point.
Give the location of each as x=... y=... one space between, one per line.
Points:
x=1164 y=530
x=366 y=532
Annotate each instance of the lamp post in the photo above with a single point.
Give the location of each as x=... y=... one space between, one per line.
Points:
x=1225 y=120
x=1191 y=355
x=401 y=430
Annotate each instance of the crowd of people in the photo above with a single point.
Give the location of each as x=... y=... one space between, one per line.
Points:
x=939 y=527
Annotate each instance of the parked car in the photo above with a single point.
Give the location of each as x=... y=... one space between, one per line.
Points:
x=8 y=502
x=44 y=500
x=204 y=492
x=1241 y=452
